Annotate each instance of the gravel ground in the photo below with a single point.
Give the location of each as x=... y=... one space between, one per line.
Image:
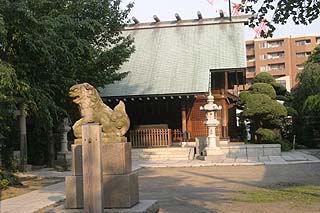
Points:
x=208 y=189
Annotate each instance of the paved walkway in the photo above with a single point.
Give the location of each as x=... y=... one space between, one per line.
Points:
x=292 y=157
x=50 y=195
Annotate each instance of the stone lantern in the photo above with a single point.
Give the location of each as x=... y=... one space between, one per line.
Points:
x=212 y=149
x=64 y=156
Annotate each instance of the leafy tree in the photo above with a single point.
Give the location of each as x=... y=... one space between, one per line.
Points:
x=306 y=101
x=263 y=88
x=263 y=77
x=301 y=12
x=261 y=108
x=281 y=91
x=264 y=111
x=53 y=44
x=10 y=89
x=315 y=56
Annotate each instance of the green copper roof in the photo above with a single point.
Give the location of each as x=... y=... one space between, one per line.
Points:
x=176 y=59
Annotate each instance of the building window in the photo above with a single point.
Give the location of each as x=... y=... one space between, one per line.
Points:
x=250 y=47
x=251 y=69
x=263 y=57
x=262 y=45
x=275 y=55
x=318 y=40
x=300 y=66
x=278 y=43
x=280 y=66
x=303 y=54
x=264 y=68
x=250 y=58
x=303 y=42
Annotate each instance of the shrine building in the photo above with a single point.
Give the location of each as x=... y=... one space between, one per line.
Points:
x=170 y=73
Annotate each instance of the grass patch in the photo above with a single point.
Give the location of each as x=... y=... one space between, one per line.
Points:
x=303 y=194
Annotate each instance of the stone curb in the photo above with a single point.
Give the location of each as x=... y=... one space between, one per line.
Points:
x=176 y=165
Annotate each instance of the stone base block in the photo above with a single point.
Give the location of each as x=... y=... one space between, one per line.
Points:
x=214 y=153
x=144 y=206
x=237 y=151
x=105 y=140
x=272 y=149
x=120 y=191
x=63 y=160
x=254 y=150
x=116 y=158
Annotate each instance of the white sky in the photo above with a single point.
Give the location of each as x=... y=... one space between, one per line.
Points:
x=165 y=9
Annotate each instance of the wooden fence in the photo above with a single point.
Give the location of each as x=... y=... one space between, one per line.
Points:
x=150 y=137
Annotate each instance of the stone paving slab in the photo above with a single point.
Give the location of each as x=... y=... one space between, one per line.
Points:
x=264 y=158
x=35 y=200
x=276 y=159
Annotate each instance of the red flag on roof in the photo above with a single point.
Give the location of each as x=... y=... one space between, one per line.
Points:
x=262 y=27
x=235 y=9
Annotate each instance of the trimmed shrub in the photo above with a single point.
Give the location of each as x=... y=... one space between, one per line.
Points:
x=263 y=77
x=266 y=136
x=285 y=145
x=264 y=88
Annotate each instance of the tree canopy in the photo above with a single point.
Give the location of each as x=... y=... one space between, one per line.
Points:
x=263 y=88
x=279 y=11
x=306 y=100
x=260 y=106
x=281 y=91
x=52 y=45
x=47 y=46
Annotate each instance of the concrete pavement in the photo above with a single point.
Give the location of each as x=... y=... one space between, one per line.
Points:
x=50 y=195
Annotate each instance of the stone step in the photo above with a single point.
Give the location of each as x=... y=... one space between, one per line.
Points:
x=171 y=149
x=162 y=156
x=164 y=159
x=166 y=153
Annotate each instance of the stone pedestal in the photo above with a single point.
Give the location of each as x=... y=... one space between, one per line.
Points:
x=120 y=183
x=214 y=153
x=120 y=191
x=63 y=160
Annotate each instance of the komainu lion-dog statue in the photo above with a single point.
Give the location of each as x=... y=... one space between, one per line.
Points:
x=115 y=123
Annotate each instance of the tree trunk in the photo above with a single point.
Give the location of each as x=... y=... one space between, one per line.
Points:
x=51 y=150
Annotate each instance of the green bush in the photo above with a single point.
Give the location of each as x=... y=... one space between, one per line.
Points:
x=4 y=183
x=270 y=136
x=266 y=136
x=264 y=88
x=8 y=179
x=263 y=77
x=285 y=145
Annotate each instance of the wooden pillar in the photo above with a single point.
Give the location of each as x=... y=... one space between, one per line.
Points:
x=237 y=83
x=184 y=121
x=244 y=80
x=92 y=168
x=225 y=119
x=225 y=82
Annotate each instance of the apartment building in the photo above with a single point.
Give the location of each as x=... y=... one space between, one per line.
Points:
x=282 y=57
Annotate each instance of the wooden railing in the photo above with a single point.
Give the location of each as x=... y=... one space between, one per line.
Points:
x=177 y=135
x=150 y=137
